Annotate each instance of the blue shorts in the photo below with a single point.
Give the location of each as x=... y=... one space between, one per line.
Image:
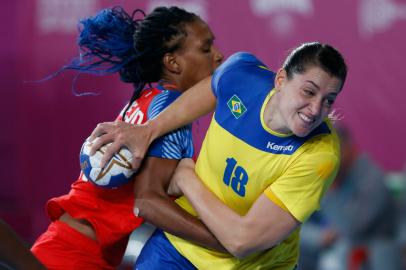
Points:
x=158 y=253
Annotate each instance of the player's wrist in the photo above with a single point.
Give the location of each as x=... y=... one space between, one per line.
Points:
x=154 y=130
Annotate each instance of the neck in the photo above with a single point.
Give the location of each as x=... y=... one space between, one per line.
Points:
x=272 y=117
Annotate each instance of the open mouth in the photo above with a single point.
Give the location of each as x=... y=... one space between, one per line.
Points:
x=308 y=120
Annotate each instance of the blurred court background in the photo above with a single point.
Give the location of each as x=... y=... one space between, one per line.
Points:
x=43 y=124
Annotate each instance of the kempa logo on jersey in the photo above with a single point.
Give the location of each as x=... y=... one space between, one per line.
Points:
x=276 y=147
x=236 y=106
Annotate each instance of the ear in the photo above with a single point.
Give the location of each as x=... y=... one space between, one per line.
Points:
x=170 y=62
x=280 y=78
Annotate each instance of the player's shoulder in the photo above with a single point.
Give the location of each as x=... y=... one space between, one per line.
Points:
x=162 y=100
x=243 y=57
x=239 y=59
x=165 y=97
x=241 y=69
x=324 y=139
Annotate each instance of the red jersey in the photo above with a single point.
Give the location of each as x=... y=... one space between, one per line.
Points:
x=110 y=211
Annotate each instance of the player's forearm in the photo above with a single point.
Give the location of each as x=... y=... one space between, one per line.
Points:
x=162 y=212
x=262 y=227
x=223 y=222
x=191 y=105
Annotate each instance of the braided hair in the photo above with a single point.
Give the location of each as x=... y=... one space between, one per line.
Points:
x=114 y=41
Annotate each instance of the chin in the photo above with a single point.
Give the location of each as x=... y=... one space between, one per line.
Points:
x=301 y=132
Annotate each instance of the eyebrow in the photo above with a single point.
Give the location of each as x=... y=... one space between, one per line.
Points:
x=315 y=85
x=318 y=88
x=207 y=42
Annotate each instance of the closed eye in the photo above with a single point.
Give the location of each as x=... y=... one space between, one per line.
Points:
x=206 y=50
x=207 y=45
x=308 y=92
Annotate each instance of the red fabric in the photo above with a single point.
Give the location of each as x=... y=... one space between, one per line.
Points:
x=109 y=211
x=137 y=113
x=63 y=248
x=358 y=258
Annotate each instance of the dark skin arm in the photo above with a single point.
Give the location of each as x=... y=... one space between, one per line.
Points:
x=157 y=208
x=13 y=251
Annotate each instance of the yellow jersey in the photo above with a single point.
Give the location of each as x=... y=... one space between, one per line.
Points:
x=241 y=158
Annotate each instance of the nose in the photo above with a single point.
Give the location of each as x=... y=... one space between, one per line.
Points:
x=218 y=56
x=315 y=107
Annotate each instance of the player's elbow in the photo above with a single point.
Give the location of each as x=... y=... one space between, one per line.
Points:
x=240 y=244
x=243 y=248
x=248 y=241
x=239 y=248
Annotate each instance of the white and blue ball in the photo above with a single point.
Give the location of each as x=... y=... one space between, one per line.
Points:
x=116 y=172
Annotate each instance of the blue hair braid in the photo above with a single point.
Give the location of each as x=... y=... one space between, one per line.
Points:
x=106 y=42
x=106 y=45
x=113 y=41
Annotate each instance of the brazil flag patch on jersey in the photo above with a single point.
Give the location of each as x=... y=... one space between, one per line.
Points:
x=236 y=106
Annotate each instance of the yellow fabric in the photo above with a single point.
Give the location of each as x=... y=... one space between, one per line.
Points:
x=276 y=200
x=241 y=159
x=298 y=183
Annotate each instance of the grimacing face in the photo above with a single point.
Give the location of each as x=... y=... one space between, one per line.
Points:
x=198 y=55
x=305 y=100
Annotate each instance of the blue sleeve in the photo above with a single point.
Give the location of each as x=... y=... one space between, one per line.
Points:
x=177 y=144
x=235 y=61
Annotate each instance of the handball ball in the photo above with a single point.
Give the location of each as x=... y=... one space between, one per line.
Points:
x=116 y=172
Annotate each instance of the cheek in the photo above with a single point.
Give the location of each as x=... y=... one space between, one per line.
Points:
x=198 y=70
x=205 y=67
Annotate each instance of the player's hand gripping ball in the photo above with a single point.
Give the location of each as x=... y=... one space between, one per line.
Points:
x=116 y=172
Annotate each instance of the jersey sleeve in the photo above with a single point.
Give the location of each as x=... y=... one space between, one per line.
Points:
x=302 y=186
x=177 y=144
x=239 y=60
